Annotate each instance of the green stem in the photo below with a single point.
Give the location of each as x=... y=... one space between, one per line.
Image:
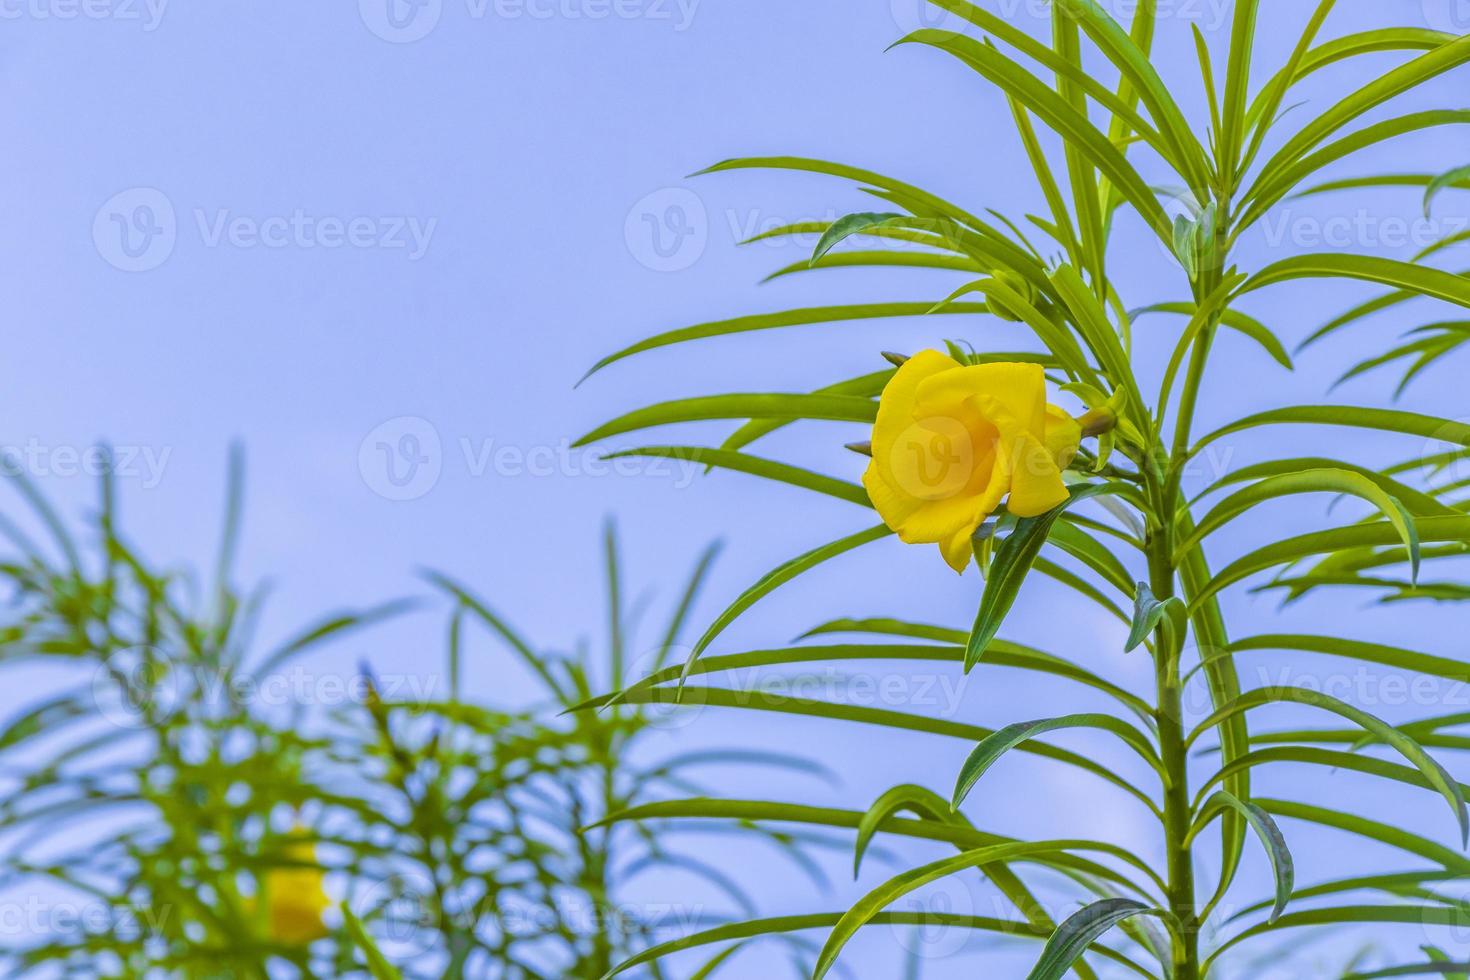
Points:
x=1178 y=808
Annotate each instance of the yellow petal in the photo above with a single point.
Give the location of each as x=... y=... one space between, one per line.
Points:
x=1063 y=435
x=958 y=550
x=925 y=521
x=1036 y=483
x=1032 y=475
x=896 y=406
x=295 y=897
x=1020 y=389
x=297 y=921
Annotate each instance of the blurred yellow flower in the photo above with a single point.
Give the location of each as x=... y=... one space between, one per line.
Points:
x=295 y=898
x=951 y=441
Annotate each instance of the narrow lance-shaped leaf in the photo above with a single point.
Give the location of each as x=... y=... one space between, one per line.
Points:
x=1149 y=611
x=1323 y=480
x=871 y=904
x=925 y=802
x=1053 y=110
x=1235 y=320
x=1271 y=838
x=993 y=747
x=772 y=321
x=1072 y=938
x=1012 y=561
x=853 y=224
x=755 y=466
x=1453 y=178
x=377 y=963
x=1396 y=738
x=833 y=408
x=776 y=578
x=1418 y=279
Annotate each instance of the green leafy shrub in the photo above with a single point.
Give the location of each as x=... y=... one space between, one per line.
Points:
x=187 y=827
x=1123 y=534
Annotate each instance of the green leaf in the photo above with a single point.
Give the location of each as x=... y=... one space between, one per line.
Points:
x=776 y=578
x=925 y=802
x=1264 y=195
x=1262 y=114
x=770 y=321
x=1416 y=279
x=867 y=386
x=853 y=224
x=1397 y=739
x=1378 y=832
x=1012 y=561
x=1271 y=838
x=535 y=661
x=1072 y=938
x=900 y=720
x=1057 y=113
x=1119 y=108
x=1417 y=501
x=835 y=408
x=1362 y=311
x=377 y=963
x=1137 y=69
x=1445 y=963
x=1313 y=481
x=1237 y=85
x=955 y=833
x=1385 y=420
x=1453 y=178
x=994 y=746
x=1235 y=320
x=875 y=258
x=1415 y=915
x=1149 y=612
x=1439 y=967
x=1341 y=49
x=1384 y=87
x=871 y=904
x=719 y=959
x=1408 y=661
x=755 y=466
x=793 y=923
x=1002 y=654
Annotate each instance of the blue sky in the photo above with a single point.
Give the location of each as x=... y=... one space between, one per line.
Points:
x=380 y=250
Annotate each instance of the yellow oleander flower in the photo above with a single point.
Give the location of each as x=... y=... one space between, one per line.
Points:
x=951 y=441
x=295 y=898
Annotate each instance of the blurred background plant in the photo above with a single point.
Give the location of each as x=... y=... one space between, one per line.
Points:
x=163 y=818
x=154 y=799
x=476 y=834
